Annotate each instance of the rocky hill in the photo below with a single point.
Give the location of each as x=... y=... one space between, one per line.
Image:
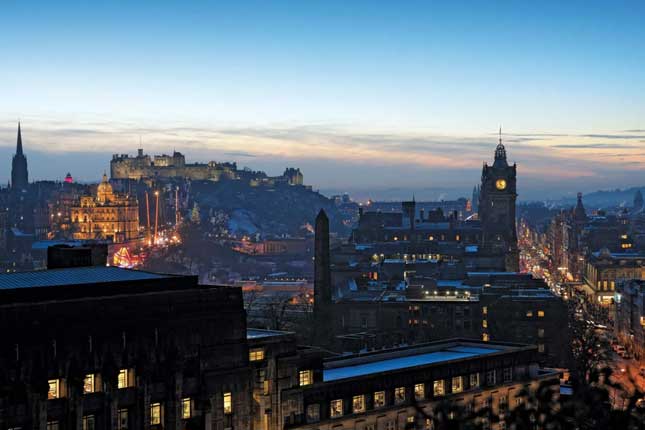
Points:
x=269 y=210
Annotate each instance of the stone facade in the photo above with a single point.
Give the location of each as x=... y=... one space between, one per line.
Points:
x=145 y=167
x=106 y=215
x=123 y=350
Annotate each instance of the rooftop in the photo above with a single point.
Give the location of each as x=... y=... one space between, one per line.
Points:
x=74 y=276
x=258 y=333
x=436 y=353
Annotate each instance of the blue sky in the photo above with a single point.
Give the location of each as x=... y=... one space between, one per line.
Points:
x=363 y=95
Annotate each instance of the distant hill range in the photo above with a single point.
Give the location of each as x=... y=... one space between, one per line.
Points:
x=603 y=199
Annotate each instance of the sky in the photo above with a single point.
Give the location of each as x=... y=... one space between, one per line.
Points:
x=379 y=99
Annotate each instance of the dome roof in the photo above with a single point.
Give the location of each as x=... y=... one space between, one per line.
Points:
x=104 y=191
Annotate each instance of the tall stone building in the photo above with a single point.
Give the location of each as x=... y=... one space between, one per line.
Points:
x=497 y=208
x=19 y=173
x=106 y=215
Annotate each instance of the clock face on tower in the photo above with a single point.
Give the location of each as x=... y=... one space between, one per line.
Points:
x=500 y=184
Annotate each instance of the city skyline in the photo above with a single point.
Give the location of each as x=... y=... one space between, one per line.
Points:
x=409 y=96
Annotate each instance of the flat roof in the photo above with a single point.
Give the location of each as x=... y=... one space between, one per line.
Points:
x=74 y=276
x=258 y=333
x=384 y=362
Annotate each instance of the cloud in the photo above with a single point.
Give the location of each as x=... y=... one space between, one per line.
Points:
x=592 y=146
x=612 y=136
x=332 y=155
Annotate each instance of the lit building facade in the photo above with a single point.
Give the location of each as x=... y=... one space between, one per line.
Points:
x=106 y=215
x=630 y=315
x=604 y=269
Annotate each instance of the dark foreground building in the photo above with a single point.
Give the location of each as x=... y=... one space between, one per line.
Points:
x=97 y=347
x=107 y=348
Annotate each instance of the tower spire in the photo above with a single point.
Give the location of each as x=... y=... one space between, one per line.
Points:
x=500 y=134
x=19 y=141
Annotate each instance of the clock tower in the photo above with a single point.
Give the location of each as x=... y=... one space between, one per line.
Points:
x=497 y=209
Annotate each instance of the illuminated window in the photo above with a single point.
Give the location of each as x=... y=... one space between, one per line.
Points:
x=419 y=391
x=457 y=384
x=306 y=377
x=52 y=425
x=540 y=314
x=529 y=314
x=438 y=388
x=379 y=399
x=336 y=408
x=484 y=323
x=256 y=354
x=540 y=347
x=125 y=378
x=313 y=413
x=358 y=404
x=88 y=422
x=474 y=380
x=122 y=419
x=186 y=408
x=457 y=238
x=399 y=395
x=228 y=403
x=89 y=384
x=485 y=310
x=485 y=337
x=155 y=413
x=54 y=389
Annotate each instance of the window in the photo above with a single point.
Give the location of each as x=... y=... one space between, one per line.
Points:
x=508 y=374
x=485 y=310
x=256 y=354
x=228 y=403
x=457 y=384
x=399 y=395
x=540 y=332
x=540 y=347
x=52 y=425
x=485 y=323
x=541 y=314
x=336 y=408
x=474 y=380
x=155 y=413
x=54 y=390
x=518 y=401
x=485 y=337
x=419 y=391
x=438 y=388
x=490 y=377
x=379 y=399
x=306 y=377
x=358 y=404
x=89 y=384
x=126 y=378
x=503 y=400
x=122 y=419
x=186 y=408
x=88 y=422
x=529 y=314
x=390 y=425
x=313 y=413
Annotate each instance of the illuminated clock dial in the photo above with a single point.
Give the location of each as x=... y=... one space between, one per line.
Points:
x=500 y=184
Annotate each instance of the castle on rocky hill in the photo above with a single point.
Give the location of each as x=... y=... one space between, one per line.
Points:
x=143 y=167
